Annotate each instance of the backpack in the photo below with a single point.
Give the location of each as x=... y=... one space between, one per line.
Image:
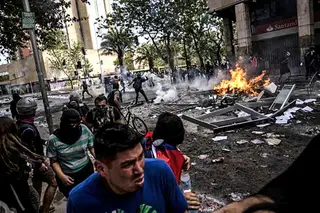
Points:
x=147 y=145
x=170 y=154
x=110 y=97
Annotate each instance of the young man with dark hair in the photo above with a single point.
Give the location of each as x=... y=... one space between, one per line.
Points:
x=125 y=181
x=98 y=115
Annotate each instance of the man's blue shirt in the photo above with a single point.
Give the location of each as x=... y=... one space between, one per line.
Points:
x=159 y=194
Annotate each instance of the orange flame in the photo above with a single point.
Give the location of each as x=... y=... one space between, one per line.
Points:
x=239 y=84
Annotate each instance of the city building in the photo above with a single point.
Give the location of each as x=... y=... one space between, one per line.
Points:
x=84 y=28
x=269 y=28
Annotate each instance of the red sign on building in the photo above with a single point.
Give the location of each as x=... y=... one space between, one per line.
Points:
x=278 y=25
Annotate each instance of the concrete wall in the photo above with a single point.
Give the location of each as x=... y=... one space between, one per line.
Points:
x=24 y=71
x=305 y=24
x=216 y=5
x=244 y=44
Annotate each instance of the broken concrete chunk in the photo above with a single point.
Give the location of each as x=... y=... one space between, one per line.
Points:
x=242 y=142
x=257 y=141
x=273 y=141
x=218 y=160
x=202 y=157
x=257 y=132
x=220 y=138
x=271 y=88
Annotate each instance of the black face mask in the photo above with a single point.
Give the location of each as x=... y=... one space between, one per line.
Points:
x=69 y=134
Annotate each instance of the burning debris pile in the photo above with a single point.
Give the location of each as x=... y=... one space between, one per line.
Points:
x=238 y=84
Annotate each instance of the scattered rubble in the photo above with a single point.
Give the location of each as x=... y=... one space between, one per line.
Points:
x=202 y=157
x=242 y=142
x=238 y=196
x=218 y=160
x=220 y=138
x=273 y=141
x=257 y=141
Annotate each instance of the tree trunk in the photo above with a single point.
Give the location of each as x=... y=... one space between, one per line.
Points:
x=170 y=53
x=150 y=62
x=120 y=59
x=198 y=52
x=71 y=83
x=186 y=54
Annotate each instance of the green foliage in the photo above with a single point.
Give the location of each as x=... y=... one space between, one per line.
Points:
x=49 y=17
x=117 y=41
x=65 y=59
x=177 y=29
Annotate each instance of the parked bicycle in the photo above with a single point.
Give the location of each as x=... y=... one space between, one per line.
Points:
x=131 y=119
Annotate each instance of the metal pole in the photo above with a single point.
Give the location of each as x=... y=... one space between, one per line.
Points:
x=36 y=55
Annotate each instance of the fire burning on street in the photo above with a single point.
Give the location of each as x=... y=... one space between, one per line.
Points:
x=238 y=84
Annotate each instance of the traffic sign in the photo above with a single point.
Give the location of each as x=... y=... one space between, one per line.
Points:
x=28 y=20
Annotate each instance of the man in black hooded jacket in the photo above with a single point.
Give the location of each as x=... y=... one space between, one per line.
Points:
x=137 y=85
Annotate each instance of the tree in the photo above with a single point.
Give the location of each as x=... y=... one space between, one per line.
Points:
x=146 y=54
x=87 y=67
x=127 y=60
x=118 y=41
x=155 y=19
x=49 y=16
x=65 y=60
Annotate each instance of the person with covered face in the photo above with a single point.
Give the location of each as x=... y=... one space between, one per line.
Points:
x=125 y=181
x=67 y=150
x=98 y=115
x=31 y=138
x=137 y=85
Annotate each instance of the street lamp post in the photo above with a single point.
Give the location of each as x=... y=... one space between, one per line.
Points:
x=36 y=54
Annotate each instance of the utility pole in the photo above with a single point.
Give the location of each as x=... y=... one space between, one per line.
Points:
x=36 y=55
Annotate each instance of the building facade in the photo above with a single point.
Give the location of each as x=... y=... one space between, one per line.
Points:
x=270 y=28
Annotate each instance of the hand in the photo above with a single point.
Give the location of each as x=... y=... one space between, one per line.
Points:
x=242 y=206
x=43 y=168
x=67 y=180
x=193 y=201
x=187 y=163
x=237 y=207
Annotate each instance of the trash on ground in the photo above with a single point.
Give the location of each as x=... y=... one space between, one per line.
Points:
x=226 y=150
x=257 y=132
x=299 y=102
x=243 y=114
x=264 y=155
x=273 y=141
x=307 y=109
x=202 y=157
x=220 y=138
x=242 y=142
x=237 y=196
x=310 y=100
x=263 y=125
x=218 y=160
x=271 y=135
x=257 y=141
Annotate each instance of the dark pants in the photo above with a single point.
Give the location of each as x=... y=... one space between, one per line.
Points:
x=85 y=91
x=78 y=177
x=143 y=94
x=310 y=70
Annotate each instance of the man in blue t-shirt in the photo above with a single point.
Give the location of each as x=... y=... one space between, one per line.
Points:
x=126 y=182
